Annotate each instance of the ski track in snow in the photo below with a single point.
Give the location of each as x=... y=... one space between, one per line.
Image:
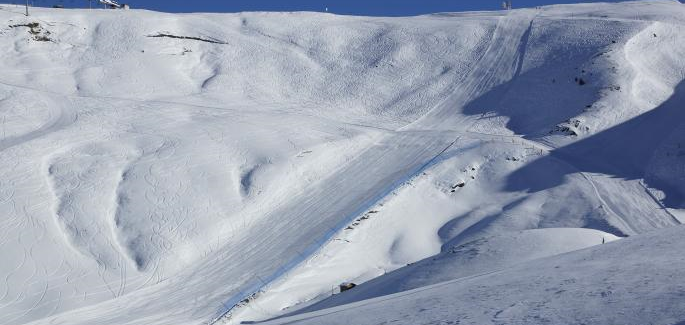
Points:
x=492 y=70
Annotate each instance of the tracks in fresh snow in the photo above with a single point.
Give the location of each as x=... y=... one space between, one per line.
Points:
x=60 y=117
x=289 y=234
x=280 y=239
x=316 y=217
x=643 y=213
x=406 y=153
x=500 y=63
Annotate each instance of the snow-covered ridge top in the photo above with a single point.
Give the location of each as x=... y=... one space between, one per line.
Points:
x=575 y=8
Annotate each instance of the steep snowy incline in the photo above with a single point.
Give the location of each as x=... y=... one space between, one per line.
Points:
x=501 y=62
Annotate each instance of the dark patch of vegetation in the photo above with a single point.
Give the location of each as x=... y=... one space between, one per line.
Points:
x=39 y=34
x=567 y=130
x=359 y=220
x=569 y=127
x=460 y=184
x=33 y=26
x=580 y=81
x=207 y=40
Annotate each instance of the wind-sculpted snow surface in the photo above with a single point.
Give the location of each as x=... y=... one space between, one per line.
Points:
x=631 y=281
x=198 y=168
x=472 y=258
x=84 y=182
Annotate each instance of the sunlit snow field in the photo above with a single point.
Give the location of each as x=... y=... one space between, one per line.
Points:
x=460 y=168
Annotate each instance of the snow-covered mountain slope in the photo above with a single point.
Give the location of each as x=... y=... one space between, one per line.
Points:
x=631 y=281
x=479 y=256
x=473 y=258
x=199 y=168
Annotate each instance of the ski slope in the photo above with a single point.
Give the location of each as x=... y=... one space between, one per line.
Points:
x=615 y=283
x=218 y=168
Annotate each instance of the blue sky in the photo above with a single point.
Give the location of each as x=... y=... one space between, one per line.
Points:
x=356 y=7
